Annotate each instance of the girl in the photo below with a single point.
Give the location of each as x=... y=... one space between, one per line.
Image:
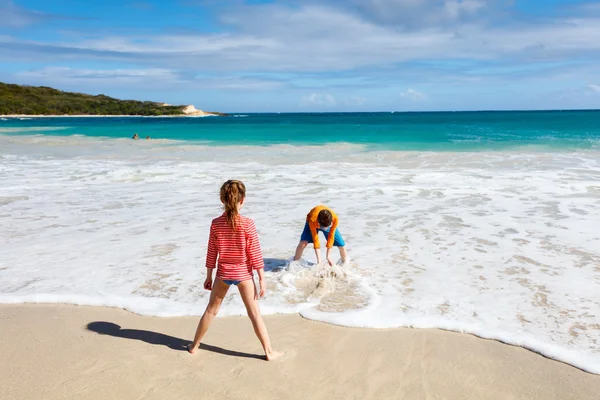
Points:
x=234 y=240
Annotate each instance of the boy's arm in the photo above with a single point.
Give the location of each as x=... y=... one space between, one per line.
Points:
x=327 y=257
x=331 y=236
x=318 y=254
x=313 y=231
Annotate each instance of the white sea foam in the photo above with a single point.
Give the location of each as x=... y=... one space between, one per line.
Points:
x=33 y=129
x=503 y=245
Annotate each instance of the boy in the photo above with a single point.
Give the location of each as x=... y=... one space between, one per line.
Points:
x=321 y=218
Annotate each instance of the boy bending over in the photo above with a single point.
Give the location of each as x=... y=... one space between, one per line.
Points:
x=321 y=218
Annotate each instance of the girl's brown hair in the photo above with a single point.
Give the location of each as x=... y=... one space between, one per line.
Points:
x=232 y=193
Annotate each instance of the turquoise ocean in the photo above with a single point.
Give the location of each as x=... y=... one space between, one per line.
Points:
x=429 y=131
x=478 y=222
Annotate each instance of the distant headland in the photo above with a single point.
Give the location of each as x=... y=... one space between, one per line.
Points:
x=42 y=101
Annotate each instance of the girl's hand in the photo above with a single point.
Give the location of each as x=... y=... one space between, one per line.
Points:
x=263 y=289
x=208 y=283
x=330 y=262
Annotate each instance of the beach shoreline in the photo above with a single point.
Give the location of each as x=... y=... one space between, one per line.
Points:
x=64 y=351
x=206 y=114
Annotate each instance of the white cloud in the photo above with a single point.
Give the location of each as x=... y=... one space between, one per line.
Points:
x=13 y=16
x=355 y=101
x=595 y=88
x=58 y=73
x=419 y=13
x=273 y=38
x=318 y=99
x=344 y=51
x=237 y=83
x=413 y=95
x=136 y=77
x=584 y=9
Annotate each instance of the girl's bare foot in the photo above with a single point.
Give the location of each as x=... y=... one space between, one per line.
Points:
x=191 y=348
x=273 y=355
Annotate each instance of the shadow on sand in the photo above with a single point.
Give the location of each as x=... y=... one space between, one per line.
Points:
x=160 y=339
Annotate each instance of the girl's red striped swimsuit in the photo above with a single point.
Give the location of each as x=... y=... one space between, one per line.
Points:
x=238 y=250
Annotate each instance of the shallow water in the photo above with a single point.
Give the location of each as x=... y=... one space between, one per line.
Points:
x=502 y=244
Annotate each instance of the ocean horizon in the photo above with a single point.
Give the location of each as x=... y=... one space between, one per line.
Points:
x=471 y=131
x=479 y=222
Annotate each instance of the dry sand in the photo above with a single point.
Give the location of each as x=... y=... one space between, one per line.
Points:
x=48 y=352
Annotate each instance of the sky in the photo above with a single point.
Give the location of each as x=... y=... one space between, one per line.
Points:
x=308 y=55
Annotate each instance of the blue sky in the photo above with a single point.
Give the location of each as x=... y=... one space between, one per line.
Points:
x=308 y=55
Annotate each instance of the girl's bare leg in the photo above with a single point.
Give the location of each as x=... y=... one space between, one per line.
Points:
x=217 y=294
x=249 y=296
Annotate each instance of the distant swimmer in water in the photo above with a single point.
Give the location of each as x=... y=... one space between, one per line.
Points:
x=147 y=137
x=135 y=136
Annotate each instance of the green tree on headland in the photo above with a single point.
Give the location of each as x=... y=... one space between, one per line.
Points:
x=31 y=100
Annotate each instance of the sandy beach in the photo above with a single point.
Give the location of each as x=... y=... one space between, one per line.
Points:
x=60 y=352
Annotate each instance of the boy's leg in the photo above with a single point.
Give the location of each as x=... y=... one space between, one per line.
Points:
x=300 y=249
x=249 y=297
x=339 y=242
x=343 y=254
x=305 y=239
x=217 y=294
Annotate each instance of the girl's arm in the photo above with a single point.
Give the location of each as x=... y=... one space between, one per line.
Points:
x=254 y=255
x=212 y=252
x=253 y=252
x=209 y=279
x=261 y=283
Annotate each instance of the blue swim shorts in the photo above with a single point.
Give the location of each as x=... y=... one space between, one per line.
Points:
x=338 y=241
x=231 y=282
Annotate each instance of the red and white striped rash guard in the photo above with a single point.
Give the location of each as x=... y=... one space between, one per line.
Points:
x=238 y=250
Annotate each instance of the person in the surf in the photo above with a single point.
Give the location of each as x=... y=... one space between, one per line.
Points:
x=321 y=218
